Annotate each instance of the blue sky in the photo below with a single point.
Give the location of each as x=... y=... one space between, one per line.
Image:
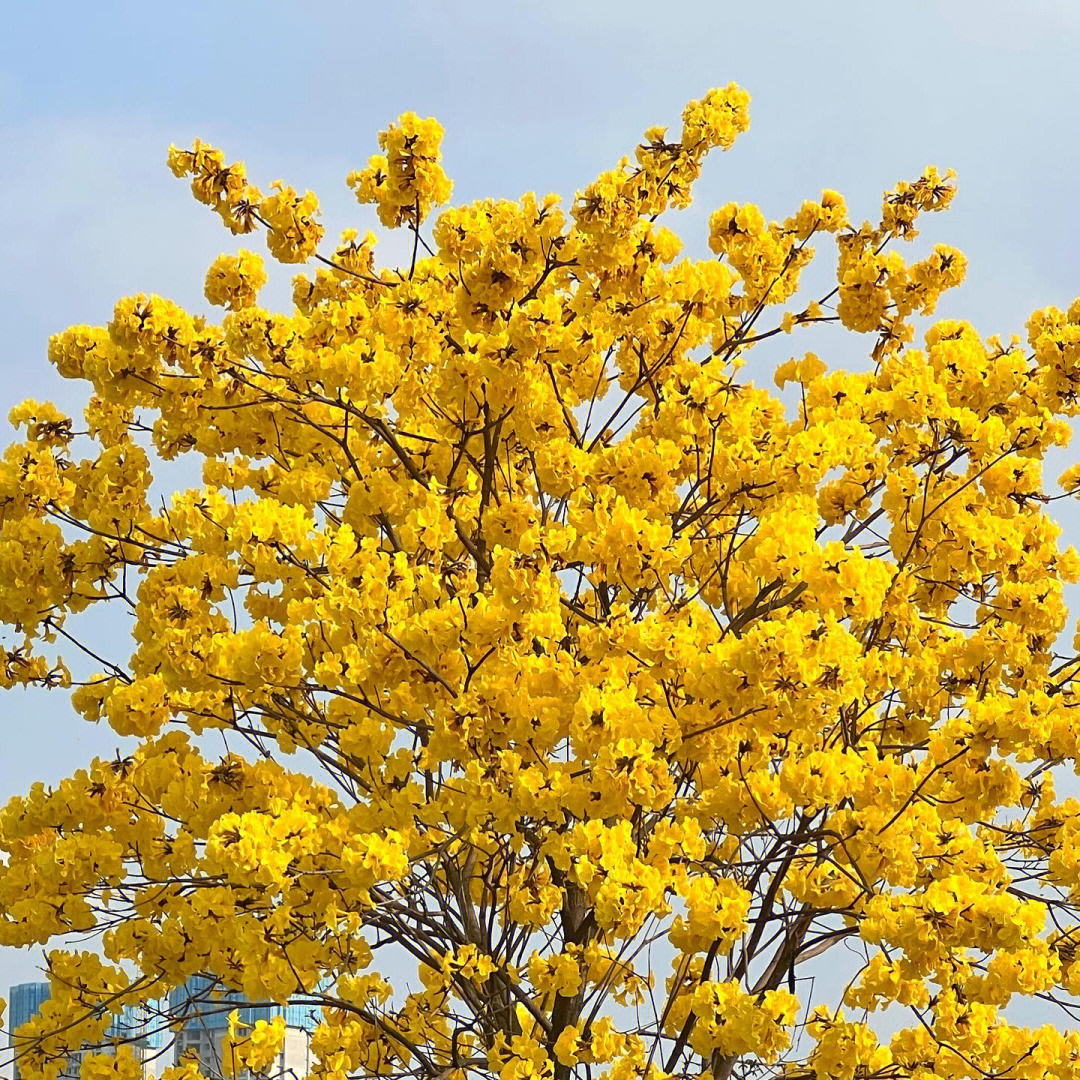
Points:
x=537 y=96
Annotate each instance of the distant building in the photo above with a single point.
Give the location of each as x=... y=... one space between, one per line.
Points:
x=203 y=1032
x=26 y=1000
x=208 y=1027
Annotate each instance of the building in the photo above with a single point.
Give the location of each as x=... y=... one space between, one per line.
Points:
x=205 y=1013
x=25 y=1003
x=208 y=1027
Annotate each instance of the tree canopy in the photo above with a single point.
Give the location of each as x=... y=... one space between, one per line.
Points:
x=592 y=706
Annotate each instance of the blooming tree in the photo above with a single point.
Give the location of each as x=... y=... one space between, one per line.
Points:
x=592 y=710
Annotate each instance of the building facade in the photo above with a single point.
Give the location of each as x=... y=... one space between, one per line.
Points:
x=26 y=1000
x=204 y=1014
x=206 y=1028
x=24 y=1003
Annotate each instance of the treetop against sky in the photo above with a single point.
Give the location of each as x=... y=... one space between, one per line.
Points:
x=554 y=651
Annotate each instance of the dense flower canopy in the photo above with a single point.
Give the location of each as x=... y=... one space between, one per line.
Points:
x=581 y=689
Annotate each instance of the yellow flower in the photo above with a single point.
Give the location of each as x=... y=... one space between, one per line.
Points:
x=233 y=281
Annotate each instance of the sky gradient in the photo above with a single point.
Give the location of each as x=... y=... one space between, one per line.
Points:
x=534 y=97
